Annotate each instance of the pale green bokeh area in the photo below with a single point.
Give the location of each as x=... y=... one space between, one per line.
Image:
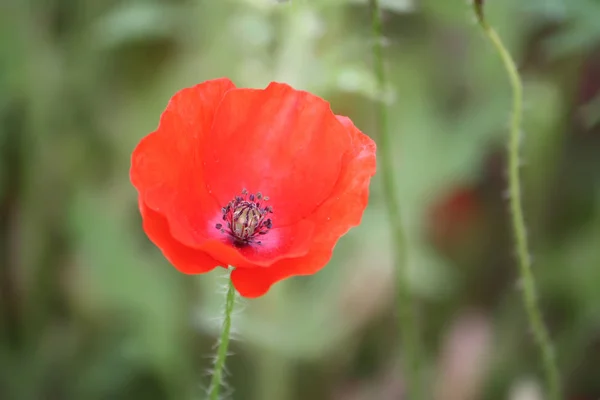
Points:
x=91 y=310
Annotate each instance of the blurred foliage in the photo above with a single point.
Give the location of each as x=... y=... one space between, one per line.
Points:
x=89 y=309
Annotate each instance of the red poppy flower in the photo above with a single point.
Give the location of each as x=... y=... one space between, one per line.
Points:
x=263 y=180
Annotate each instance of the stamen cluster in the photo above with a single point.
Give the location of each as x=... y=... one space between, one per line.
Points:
x=246 y=219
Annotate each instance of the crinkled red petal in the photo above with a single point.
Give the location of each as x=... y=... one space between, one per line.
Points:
x=166 y=168
x=185 y=259
x=342 y=210
x=282 y=142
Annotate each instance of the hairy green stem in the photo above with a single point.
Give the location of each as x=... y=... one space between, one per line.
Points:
x=536 y=322
x=217 y=376
x=406 y=314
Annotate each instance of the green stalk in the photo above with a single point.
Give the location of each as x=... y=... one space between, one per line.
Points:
x=217 y=376
x=407 y=321
x=540 y=332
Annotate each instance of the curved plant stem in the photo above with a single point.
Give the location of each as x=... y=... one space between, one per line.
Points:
x=537 y=325
x=406 y=315
x=217 y=376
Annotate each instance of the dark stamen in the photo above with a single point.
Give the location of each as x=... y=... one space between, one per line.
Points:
x=246 y=219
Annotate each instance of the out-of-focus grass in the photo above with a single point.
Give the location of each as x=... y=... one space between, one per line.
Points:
x=91 y=310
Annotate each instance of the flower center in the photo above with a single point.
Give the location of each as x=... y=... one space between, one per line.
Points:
x=246 y=219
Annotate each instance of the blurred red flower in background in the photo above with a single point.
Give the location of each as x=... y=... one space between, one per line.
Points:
x=454 y=216
x=263 y=180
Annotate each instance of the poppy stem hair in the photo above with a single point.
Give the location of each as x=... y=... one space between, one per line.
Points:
x=406 y=314
x=217 y=373
x=540 y=332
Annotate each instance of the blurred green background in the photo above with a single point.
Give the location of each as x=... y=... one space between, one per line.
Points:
x=89 y=309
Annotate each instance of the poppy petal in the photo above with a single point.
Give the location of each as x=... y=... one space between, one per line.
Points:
x=185 y=259
x=166 y=169
x=282 y=142
x=340 y=212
